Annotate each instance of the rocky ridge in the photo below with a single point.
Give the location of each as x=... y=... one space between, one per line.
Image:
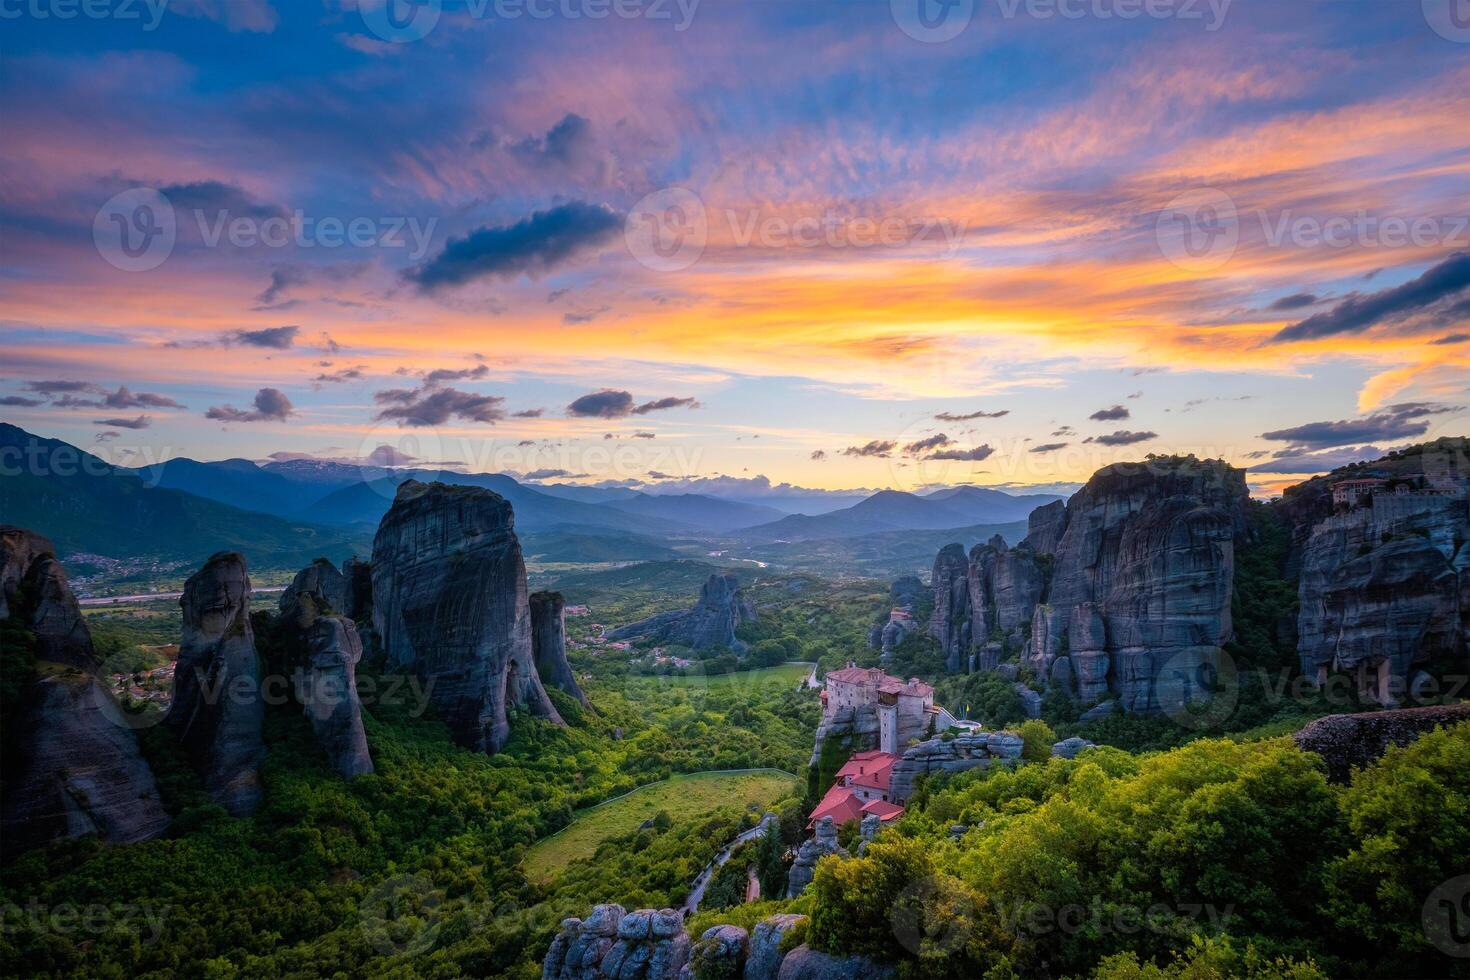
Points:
x=549 y=641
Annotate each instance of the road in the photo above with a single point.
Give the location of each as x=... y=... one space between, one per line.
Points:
x=696 y=893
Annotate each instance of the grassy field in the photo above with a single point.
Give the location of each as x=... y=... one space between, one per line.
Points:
x=684 y=797
x=785 y=675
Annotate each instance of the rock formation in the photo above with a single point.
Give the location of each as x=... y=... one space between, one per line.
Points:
x=710 y=624
x=217 y=710
x=1348 y=742
x=1381 y=591
x=324 y=646
x=972 y=750
x=822 y=843
x=549 y=641
x=1068 y=748
x=450 y=605
x=1132 y=597
x=646 y=944
x=763 y=959
x=896 y=621
x=74 y=765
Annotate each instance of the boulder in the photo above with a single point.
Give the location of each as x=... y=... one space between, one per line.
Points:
x=720 y=952
x=1030 y=700
x=1100 y=711
x=216 y=710
x=805 y=963
x=450 y=605
x=1353 y=741
x=1068 y=748
x=549 y=641
x=763 y=962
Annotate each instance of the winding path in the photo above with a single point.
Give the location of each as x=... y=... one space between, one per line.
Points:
x=696 y=893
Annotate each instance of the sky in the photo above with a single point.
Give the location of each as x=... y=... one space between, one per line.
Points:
x=831 y=244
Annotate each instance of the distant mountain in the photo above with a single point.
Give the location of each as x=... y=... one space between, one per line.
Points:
x=86 y=505
x=894 y=510
x=237 y=482
x=587 y=495
x=885 y=554
x=697 y=510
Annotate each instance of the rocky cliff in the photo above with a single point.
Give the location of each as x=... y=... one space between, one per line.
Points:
x=324 y=646
x=549 y=641
x=74 y=766
x=217 y=710
x=1131 y=599
x=1348 y=742
x=450 y=605
x=711 y=623
x=898 y=620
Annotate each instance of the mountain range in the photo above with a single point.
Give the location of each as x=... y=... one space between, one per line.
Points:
x=185 y=508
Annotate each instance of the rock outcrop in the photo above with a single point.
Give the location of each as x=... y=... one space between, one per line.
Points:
x=450 y=605
x=763 y=960
x=1381 y=591
x=897 y=621
x=971 y=750
x=75 y=767
x=549 y=641
x=711 y=624
x=822 y=843
x=323 y=642
x=805 y=963
x=217 y=710
x=1131 y=595
x=646 y=944
x=1348 y=742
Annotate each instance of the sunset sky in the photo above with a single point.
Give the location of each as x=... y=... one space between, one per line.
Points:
x=1242 y=230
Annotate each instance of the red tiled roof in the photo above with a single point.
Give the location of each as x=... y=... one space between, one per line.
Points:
x=886 y=811
x=840 y=803
x=856 y=675
x=888 y=685
x=870 y=769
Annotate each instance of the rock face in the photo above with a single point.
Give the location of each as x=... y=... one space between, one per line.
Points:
x=75 y=765
x=805 y=963
x=217 y=710
x=450 y=605
x=1382 y=590
x=326 y=649
x=763 y=962
x=822 y=842
x=710 y=624
x=1348 y=742
x=549 y=641
x=644 y=945
x=1125 y=590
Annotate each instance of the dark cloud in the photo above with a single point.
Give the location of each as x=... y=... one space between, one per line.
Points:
x=952 y=417
x=1304 y=461
x=1294 y=302
x=1049 y=447
x=1065 y=430
x=282 y=280
x=1402 y=421
x=340 y=376
x=442 y=375
x=276 y=338
x=1362 y=312
x=924 y=445
x=1122 y=438
x=141 y=422
x=880 y=448
x=213 y=196
x=435 y=406
x=62 y=387
x=16 y=401
x=123 y=398
x=1115 y=414
x=529 y=413
x=531 y=246
x=964 y=455
x=271 y=405
x=819 y=454
x=664 y=403
x=1454 y=338
x=610 y=403
x=644 y=435
x=552 y=474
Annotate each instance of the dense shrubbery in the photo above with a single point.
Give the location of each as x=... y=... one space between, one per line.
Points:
x=1124 y=859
